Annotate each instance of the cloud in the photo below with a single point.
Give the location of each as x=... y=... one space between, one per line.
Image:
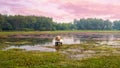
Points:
x=63 y=10
x=91 y=9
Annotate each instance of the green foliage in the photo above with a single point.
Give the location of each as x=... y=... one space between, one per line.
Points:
x=64 y=26
x=116 y=25
x=41 y=23
x=24 y=23
x=93 y=24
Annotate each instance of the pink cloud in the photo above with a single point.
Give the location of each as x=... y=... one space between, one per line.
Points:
x=89 y=9
x=63 y=10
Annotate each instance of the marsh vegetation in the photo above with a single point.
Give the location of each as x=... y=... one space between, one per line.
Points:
x=80 y=50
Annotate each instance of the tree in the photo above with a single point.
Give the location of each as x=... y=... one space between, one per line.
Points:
x=6 y=26
x=93 y=24
x=41 y=23
x=116 y=25
x=108 y=25
x=2 y=20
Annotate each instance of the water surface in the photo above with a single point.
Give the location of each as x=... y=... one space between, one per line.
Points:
x=41 y=43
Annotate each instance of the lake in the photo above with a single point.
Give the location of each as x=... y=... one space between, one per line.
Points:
x=41 y=44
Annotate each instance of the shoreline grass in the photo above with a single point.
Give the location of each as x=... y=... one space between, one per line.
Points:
x=6 y=34
x=54 y=32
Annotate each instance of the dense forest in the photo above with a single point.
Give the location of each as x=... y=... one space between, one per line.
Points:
x=41 y=23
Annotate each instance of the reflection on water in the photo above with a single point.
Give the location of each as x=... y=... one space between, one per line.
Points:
x=69 y=40
x=39 y=44
x=57 y=48
x=29 y=48
x=26 y=41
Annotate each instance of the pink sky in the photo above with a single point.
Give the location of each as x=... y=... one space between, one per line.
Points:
x=63 y=10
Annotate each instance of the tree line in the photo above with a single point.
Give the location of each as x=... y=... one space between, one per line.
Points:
x=28 y=23
x=41 y=23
